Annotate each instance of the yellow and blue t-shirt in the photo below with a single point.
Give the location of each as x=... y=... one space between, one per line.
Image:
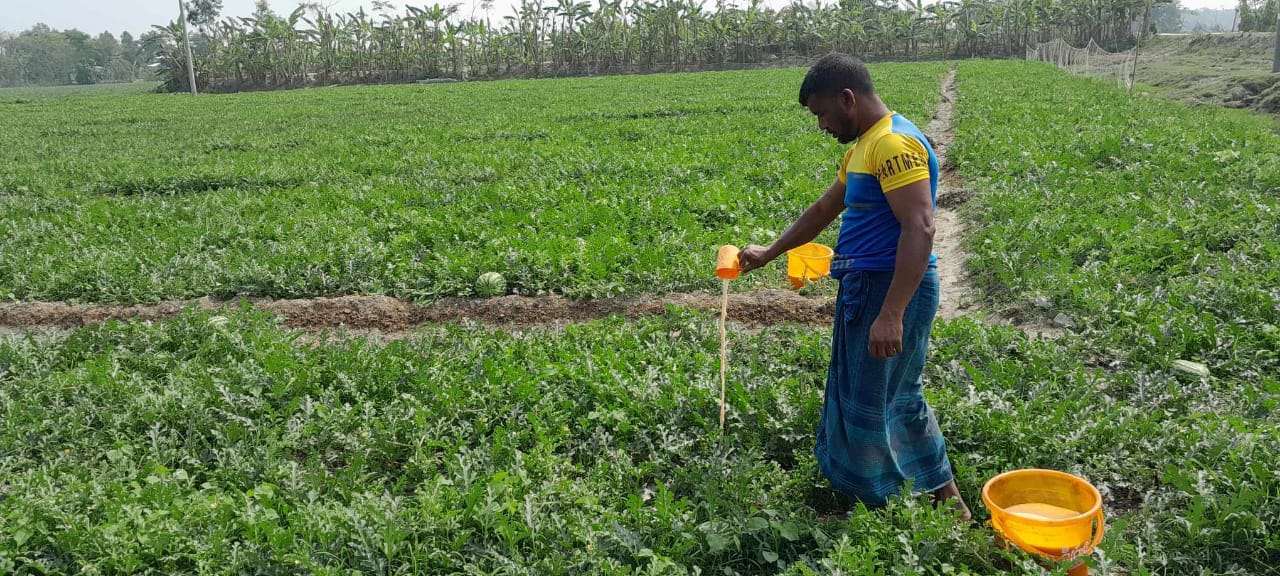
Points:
x=890 y=155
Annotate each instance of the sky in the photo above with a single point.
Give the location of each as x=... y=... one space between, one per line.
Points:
x=137 y=16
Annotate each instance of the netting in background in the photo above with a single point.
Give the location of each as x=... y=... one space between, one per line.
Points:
x=1091 y=60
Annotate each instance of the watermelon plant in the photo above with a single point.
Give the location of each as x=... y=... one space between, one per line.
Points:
x=222 y=442
x=582 y=187
x=225 y=443
x=1153 y=226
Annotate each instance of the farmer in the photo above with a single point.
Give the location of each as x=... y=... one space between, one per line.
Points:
x=876 y=431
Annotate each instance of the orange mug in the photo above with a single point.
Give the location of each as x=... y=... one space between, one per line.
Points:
x=727 y=262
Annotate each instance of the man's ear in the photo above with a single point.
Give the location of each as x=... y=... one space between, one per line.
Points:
x=848 y=99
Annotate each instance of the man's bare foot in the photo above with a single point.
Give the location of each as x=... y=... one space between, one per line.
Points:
x=949 y=492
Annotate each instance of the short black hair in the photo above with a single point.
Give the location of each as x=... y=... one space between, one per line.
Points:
x=834 y=73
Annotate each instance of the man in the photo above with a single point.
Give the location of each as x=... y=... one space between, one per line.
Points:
x=876 y=431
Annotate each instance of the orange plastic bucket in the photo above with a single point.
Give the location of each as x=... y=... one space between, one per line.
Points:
x=1046 y=512
x=808 y=262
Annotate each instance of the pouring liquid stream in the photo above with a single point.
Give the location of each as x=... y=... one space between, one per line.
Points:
x=724 y=350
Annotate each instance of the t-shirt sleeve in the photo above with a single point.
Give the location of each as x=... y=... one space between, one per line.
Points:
x=898 y=160
x=844 y=165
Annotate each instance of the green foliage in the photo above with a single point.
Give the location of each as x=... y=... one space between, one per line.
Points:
x=212 y=443
x=44 y=56
x=1154 y=222
x=223 y=443
x=315 y=46
x=585 y=187
x=1153 y=226
x=1257 y=15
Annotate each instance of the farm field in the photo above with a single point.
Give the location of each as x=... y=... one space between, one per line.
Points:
x=1155 y=224
x=220 y=441
x=584 y=187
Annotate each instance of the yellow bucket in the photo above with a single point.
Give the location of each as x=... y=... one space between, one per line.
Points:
x=807 y=263
x=1046 y=512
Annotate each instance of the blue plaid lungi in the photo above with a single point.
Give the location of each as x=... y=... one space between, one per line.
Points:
x=876 y=430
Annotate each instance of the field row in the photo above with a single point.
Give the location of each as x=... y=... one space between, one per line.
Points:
x=1155 y=225
x=1154 y=228
x=582 y=187
x=219 y=444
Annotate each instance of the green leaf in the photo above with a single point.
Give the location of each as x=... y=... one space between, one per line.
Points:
x=716 y=542
x=790 y=530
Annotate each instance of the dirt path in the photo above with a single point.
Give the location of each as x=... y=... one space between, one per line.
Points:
x=958 y=297
x=760 y=308
x=956 y=294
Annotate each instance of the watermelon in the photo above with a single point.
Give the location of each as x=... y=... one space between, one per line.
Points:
x=1191 y=368
x=491 y=284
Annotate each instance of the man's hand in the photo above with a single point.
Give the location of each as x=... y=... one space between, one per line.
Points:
x=753 y=257
x=886 y=336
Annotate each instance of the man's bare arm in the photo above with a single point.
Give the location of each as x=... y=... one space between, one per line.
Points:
x=807 y=227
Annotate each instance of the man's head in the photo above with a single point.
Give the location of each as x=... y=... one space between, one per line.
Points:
x=833 y=90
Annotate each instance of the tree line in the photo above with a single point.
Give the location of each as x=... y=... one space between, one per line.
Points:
x=44 y=56
x=312 y=45
x=1257 y=15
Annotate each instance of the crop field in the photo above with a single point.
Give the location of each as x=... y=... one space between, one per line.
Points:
x=585 y=187
x=1158 y=225
x=220 y=441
